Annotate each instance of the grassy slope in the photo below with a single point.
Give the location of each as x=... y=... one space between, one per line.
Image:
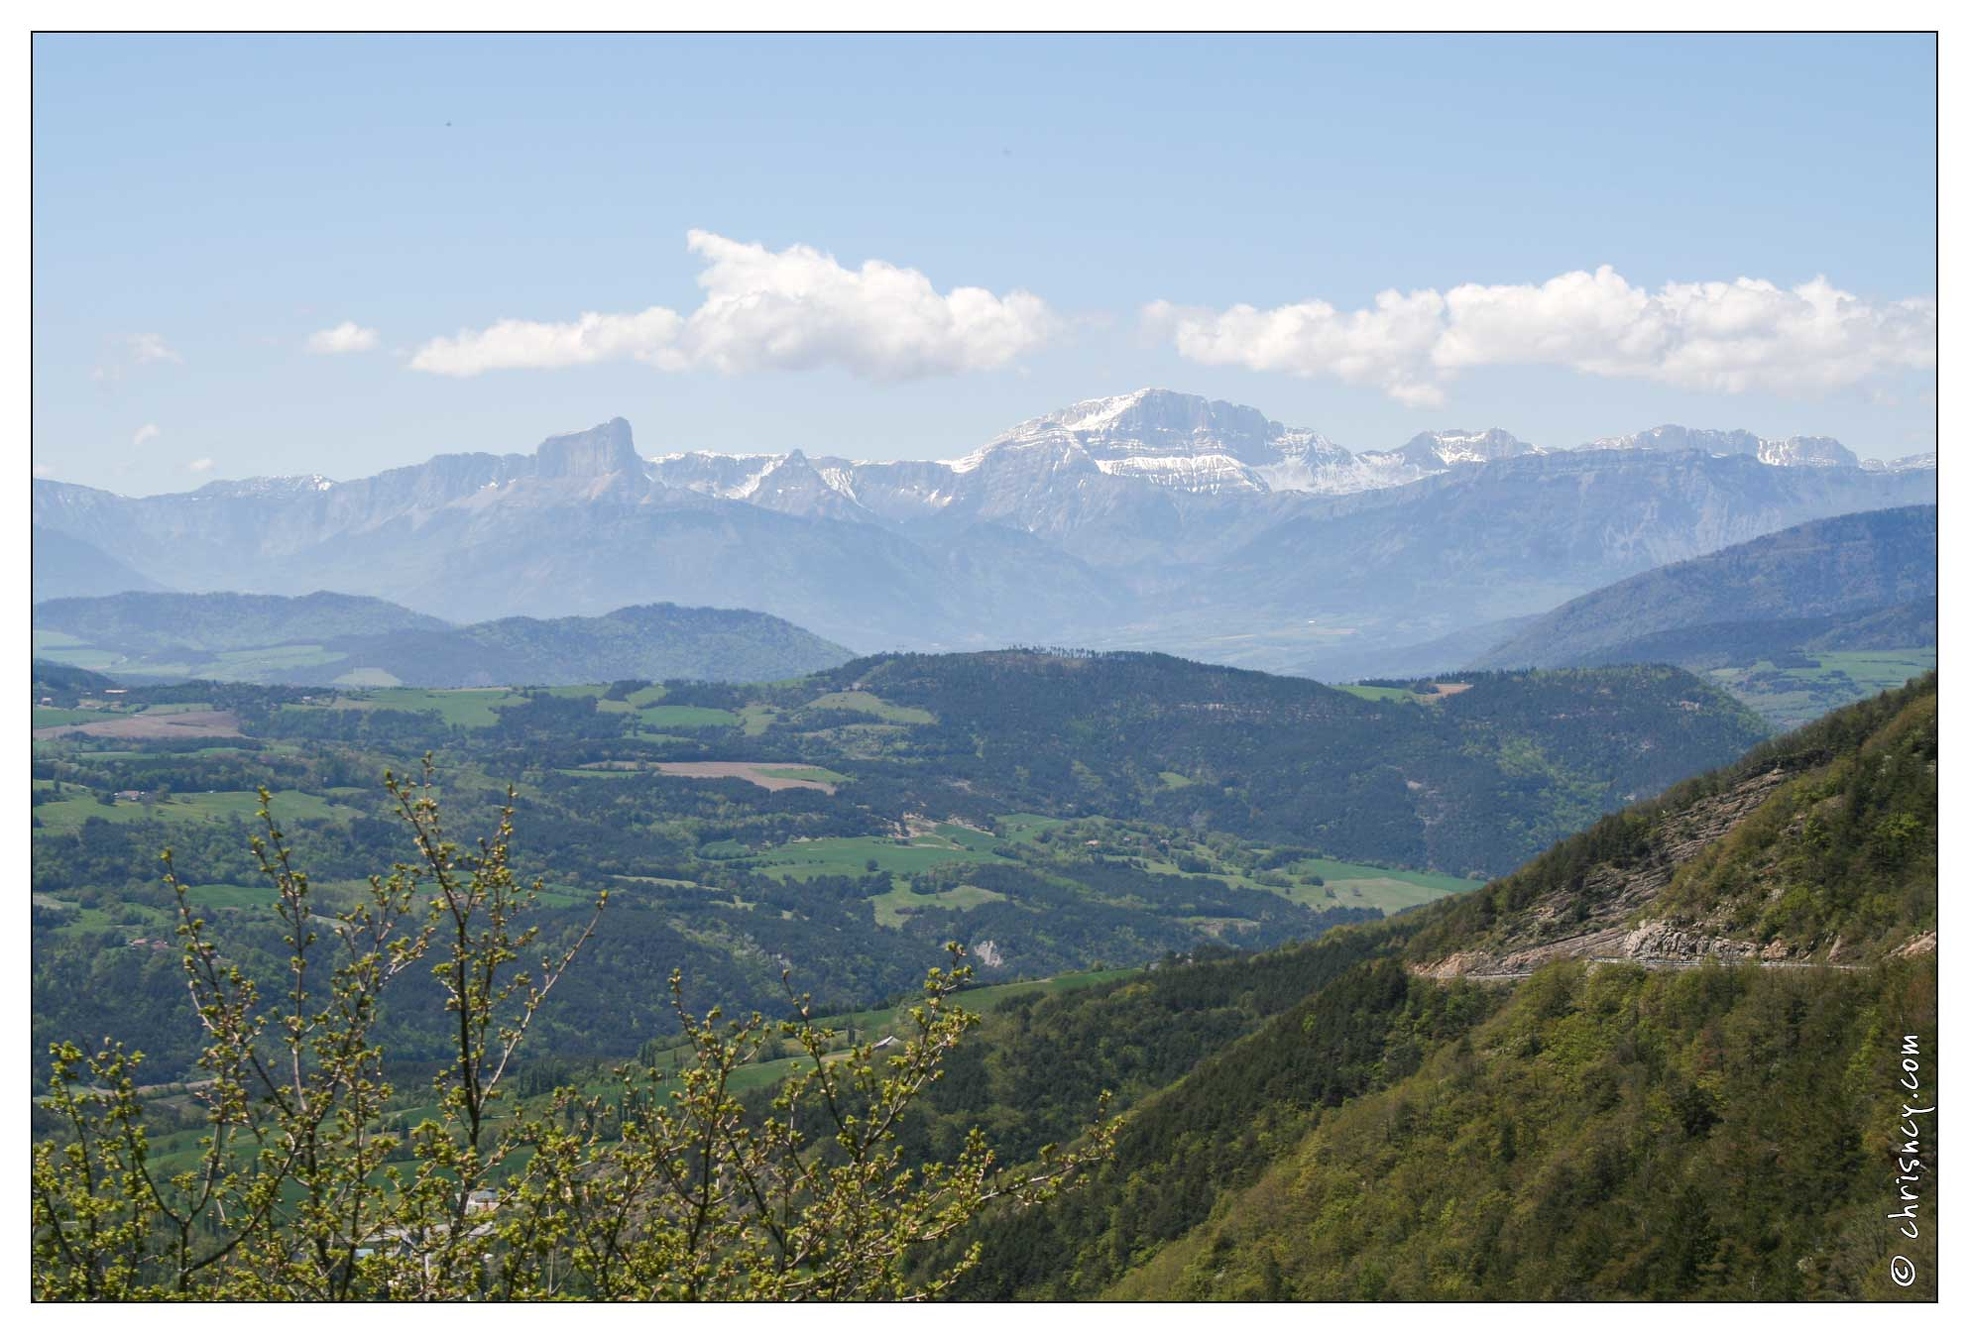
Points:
x=1795 y=692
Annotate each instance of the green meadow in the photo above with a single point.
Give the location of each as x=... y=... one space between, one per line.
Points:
x=894 y=907
x=861 y=701
x=850 y=856
x=71 y=812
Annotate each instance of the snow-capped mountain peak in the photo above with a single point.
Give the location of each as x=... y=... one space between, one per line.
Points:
x=1806 y=451
x=1435 y=449
x=1181 y=441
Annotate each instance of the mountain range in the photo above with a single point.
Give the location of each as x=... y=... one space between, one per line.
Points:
x=1152 y=519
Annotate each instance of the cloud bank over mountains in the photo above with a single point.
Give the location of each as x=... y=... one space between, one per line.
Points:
x=793 y=309
x=1719 y=337
x=801 y=309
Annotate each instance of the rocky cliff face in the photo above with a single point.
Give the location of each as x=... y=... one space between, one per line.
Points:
x=602 y=451
x=1818 y=849
x=1605 y=917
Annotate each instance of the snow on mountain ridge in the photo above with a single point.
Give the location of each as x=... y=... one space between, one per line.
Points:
x=268 y=486
x=1178 y=442
x=1208 y=473
x=1798 y=451
x=1181 y=441
x=1906 y=463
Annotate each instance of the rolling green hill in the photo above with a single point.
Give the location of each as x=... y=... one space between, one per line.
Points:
x=1856 y=563
x=1775 y=621
x=1471 y=781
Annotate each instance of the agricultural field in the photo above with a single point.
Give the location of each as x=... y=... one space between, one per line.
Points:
x=222 y=664
x=1316 y=882
x=1397 y=694
x=183 y=724
x=896 y=906
x=1376 y=886
x=231 y=896
x=70 y=812
x=807 y=773
x=772 y=777
x=1026 y=828
x=942 y=846
x=64 y=717
x=1431 y=692
x=659 y=717
x=861 y=701
x=1795 y=693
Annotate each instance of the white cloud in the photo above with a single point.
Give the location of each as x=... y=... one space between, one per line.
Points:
x=200 y=465
x=798 y=309
x=1725 y=337
x=348 y=336
x=43 y=470
x=530 y=345
x=148 y=347
x=145 y=434
x=1386 y=347
x=127 y=350
x=793 y=309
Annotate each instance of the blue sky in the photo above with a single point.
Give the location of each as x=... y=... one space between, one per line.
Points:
x=205 y=206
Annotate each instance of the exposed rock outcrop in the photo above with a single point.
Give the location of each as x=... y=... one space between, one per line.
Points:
x=1600 y=919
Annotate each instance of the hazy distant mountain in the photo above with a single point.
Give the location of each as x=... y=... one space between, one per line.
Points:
x=169 y=623
x=1857 y=581
x=68 y=567
x=331 y=638
x=1151 y=519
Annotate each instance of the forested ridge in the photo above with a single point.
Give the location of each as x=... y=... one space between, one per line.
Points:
x=1633 y=1128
